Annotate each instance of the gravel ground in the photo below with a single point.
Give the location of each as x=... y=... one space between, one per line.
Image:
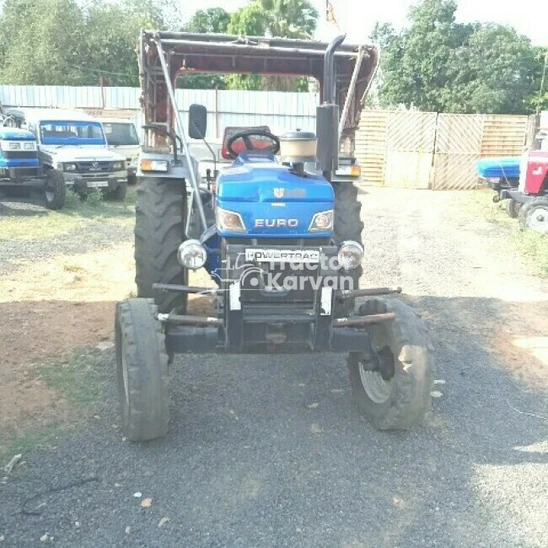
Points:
x=83 y=239
x=250 y=462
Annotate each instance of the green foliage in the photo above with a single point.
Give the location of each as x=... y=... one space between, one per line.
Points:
x=213 y=20
x=66 y=42
x=94 y=198
x=283 y=18
x=437 y=64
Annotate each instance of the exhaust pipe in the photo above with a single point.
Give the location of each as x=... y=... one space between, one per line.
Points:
x=327 y=114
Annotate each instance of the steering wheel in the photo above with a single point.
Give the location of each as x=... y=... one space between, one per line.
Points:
x=245 y=135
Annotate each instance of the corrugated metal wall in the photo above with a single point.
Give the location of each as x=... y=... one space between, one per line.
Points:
x=281 y=111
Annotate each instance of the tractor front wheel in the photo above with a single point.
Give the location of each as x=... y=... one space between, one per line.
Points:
x=159 y=231
x=55 y=189
x=392 y=388
x=141 y=370
x=534 y=215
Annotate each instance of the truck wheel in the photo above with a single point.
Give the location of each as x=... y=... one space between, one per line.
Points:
x=141 y=370
x=393 y=391
x=513 y=208
x=347 y=226
x=159 y=231
x=119 y=193
x=534 y=215
x=55 y=189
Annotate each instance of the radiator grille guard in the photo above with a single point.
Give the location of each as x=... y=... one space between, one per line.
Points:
x=280 y=274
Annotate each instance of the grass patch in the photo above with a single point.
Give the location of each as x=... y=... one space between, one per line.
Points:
x=532 y=245
x=81 y=379
x=21 y=222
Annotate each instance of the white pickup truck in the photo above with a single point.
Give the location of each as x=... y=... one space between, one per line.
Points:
x=75 y=144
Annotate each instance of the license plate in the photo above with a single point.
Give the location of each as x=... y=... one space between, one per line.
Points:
x=283 y=255
x=97 y=183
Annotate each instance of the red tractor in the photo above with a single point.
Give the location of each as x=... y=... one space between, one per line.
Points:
x=532 y=191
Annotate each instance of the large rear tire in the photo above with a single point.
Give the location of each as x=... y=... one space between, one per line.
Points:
x=141 y=370
x=394 y=391
x=348 y=226
x=159 y=231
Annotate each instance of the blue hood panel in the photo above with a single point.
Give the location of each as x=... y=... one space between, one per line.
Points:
x=266 y=194
x=14 y=134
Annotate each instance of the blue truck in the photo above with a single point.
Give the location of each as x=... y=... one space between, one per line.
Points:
x=21 y=170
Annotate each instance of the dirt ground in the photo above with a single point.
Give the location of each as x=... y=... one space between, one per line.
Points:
x=71 y=307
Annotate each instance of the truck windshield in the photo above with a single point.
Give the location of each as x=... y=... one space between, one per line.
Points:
x=61 y=132
x=120 y=133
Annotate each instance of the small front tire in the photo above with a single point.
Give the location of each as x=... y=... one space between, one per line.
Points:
x=534 y=215
x=55 y=190
x=142 y=370
x=403 y=356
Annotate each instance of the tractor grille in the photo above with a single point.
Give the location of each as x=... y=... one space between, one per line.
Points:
x=94 y=167
x=19 y=172
x=11 y=154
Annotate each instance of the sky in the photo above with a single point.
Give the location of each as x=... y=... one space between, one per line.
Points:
x=529 y=17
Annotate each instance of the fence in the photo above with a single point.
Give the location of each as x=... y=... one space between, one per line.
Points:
x=395 y=148
x=281 y=111
x=438 y=151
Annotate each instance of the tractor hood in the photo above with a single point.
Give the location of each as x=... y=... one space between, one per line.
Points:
x=272 y=200
x=14 y=134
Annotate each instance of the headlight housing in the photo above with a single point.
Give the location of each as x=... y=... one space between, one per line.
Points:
x=117 y=166
x=69 y=167
x=192 y=254
x=29 y=145
x=350 y=255
x=229 y=221
x=154 y=165
x=322 y=221
x=14 y=146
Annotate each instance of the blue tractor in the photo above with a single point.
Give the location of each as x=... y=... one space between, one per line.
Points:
x=279 y=232
x=21 y=170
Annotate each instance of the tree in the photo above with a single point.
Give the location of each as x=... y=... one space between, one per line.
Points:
x=439 y=65
x=42 y=42
x=281 y=18
x=210 y=21
x=213 y=20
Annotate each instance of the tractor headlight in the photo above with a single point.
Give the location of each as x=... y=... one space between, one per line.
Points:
x=154 y=165
x=69 y=167
x=322 y=221
x=192 y=254
x=117 y=166
x=229 y=221
x=29 y=146
x=350 y=255
x=15 y=146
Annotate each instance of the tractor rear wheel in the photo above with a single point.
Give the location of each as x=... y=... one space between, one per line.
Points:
x=393 y=390
x=348 y=226
x=159 y=231
x=534 y=215
x=141 y=370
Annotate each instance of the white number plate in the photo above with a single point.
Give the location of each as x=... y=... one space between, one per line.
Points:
x=283 y=255
x=97 y=183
